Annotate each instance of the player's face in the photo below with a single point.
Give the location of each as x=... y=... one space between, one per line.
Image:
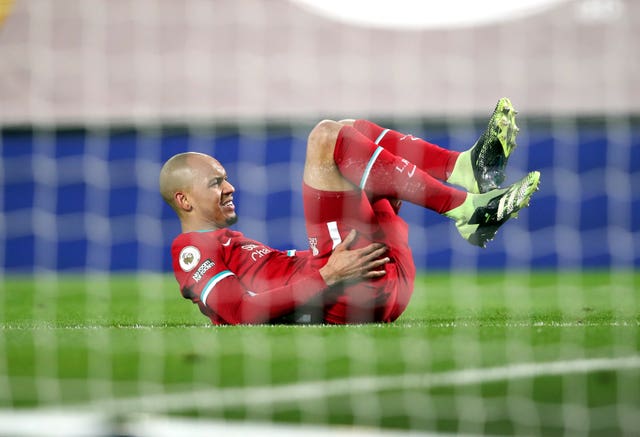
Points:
x=212 y=194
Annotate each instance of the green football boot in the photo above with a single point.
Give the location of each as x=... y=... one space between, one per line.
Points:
x=482 y=168
x=480 y=215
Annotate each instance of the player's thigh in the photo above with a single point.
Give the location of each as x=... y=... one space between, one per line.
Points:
x=331 y=215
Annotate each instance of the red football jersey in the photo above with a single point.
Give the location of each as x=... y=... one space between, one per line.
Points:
x=234 y=279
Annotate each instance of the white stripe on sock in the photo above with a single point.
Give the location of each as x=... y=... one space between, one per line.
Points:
x=382 y=134
x=367 y=169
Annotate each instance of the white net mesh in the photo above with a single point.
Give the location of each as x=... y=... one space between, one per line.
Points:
x=538 y=334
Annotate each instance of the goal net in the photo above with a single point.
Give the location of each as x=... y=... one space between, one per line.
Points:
x=539 y=333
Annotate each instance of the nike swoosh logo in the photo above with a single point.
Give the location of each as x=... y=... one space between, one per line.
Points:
x=227 y=243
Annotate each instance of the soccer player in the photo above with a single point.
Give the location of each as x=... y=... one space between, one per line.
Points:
x=359 y=266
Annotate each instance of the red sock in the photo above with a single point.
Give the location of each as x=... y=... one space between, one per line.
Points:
x=381 y=173
x=433 y=159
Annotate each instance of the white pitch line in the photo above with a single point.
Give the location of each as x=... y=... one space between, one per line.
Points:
x=252 y=396
x=452 y=324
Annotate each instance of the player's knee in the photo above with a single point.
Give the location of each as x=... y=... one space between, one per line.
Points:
x=320 y=170
x=324 y=130
x=322 y=139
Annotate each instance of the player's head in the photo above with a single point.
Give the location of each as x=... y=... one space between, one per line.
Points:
x=195 y=185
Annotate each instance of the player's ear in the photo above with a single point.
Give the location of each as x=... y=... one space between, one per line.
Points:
x=182 y=201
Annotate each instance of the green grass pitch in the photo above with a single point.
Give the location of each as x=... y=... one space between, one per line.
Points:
x=114 y=341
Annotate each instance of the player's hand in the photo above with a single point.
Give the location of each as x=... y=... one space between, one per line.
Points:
x=354 y=265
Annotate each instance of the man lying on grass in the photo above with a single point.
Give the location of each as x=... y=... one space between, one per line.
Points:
x=359 y=266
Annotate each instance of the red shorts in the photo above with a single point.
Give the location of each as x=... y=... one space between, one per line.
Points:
x=330 y=216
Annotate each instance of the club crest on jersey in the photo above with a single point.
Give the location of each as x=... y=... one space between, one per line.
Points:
x=313 y=245
x=189 y=258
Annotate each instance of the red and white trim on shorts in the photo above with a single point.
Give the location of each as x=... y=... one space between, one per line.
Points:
x=334 y=233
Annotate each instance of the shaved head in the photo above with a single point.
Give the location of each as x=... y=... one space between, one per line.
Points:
x=175 y=176
x=179 y=172
x=195 y=185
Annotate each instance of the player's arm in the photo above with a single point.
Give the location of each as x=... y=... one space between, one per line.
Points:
x=236 y=305
x=225 y=295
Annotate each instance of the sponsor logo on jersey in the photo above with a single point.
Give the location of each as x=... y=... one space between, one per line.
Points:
x=189 y=258
x=206 y=265
x=256 y=250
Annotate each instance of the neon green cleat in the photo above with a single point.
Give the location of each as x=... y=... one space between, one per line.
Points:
x=482 y=168
x=491 y=152
x=480 y=216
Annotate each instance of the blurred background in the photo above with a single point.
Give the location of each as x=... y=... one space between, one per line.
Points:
x=67 y=61
x=95 y=95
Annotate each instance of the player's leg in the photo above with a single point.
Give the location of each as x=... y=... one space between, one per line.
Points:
x=328 y=198
x=433 y=159
x=332 y=207
x=382 y=174
x=383 y=299
x=336 y=156
x=478 y=170
x=329 y=216
x=320 y=169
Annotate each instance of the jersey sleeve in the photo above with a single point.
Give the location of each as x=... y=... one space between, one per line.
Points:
x=224 y=295
x=211 y=283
